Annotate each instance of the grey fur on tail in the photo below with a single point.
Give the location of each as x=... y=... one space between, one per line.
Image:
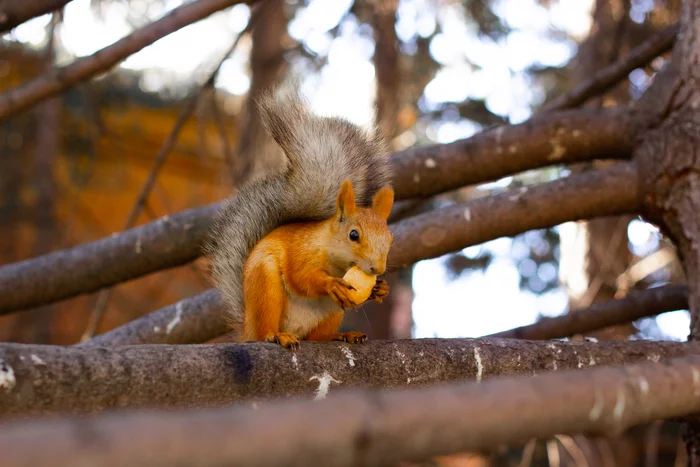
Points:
x=321 y=152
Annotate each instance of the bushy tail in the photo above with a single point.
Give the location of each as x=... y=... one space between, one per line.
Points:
x=321 y=153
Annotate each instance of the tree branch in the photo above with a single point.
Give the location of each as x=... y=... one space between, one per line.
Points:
x=638 y=304
x=170 y=242
x=51 y=378
x=366 y=427
x=594 y=193
x=15 y=12
x=613 y=74
x=59 y=79
x=601 y=192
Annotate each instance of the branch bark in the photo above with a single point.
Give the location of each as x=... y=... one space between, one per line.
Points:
x=53 y=379
x=613 y=74
x=59 y=79
x=368 y=428
x=15 y=12
x=636 y=305
x=169 y=242
x=429 y=235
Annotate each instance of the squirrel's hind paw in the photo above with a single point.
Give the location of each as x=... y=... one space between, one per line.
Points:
x=351 y=337
x=285 y=339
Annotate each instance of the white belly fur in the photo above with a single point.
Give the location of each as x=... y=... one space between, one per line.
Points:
x=304 y=314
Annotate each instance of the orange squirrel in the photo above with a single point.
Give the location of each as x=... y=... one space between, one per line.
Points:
x=280 y=248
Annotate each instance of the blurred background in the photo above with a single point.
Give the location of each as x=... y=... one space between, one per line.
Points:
x=440 y=70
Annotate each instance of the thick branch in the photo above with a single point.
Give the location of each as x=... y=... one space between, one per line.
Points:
x=368 y=428
x=58 y=80
x=613 y=74
x=49 y=378
x=638 y=304
x=15 y=12
x=429 y=235
x=166 y=243
x=591 y=194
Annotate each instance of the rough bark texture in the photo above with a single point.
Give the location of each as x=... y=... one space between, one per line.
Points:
x=15 y=12
x=365 y=427
x=173 y=241
x=433 y=234
x=60 y=79
x=638 y=304
x=42 y=379
x=668 y=122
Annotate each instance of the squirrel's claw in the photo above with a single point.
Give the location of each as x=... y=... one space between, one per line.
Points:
x=285 y=339
x=379 y=291
x=351 y=337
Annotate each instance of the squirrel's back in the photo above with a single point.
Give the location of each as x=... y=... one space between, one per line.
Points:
x=321 y=153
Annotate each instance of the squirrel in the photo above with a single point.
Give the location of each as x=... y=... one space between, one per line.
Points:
x=279 y=249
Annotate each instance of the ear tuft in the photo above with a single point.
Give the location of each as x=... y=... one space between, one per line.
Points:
x=345 y=204
x=383 y=201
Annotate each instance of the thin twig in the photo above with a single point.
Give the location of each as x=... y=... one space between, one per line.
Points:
x=185 y=113
x=611 y=75
x=228 y=153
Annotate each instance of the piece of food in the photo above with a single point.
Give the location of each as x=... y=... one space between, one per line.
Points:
x=363 y=283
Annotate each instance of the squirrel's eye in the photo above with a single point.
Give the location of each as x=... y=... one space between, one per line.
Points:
x=354 y=235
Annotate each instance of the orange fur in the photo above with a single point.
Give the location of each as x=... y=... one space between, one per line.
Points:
x=292 y=281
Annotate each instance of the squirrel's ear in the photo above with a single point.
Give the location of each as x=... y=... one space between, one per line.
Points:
x=383 y=201
x=346 y=201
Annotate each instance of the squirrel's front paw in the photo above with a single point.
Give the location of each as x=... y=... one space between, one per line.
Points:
x=339 y=291
x=285 y=339
x=379 y=291
x=351 y=337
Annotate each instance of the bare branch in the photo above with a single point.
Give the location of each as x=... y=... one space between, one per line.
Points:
x=613 y=74
x=590 y=194
x=542 y=141
x=51 y=378
x=638 y=304
x=170 y=242
x=365 y=427
x=59 y=79
x=15 y=12
x=429 y=235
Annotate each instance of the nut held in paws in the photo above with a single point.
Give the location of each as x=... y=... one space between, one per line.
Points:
x=363 y=283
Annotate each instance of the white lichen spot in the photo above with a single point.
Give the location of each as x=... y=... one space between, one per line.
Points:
x=156 y=328
x=7 y=376
x=597 y=409
x=654 y=358
x=295 y=362
x=176 y=320
x=643 y=385
x=137 y=246
x=557 y=153
x=499 y=133
x=619 y=409
x=324 y=384
x=37 y=360
x=512 y=149
x=348 y=355
x=421 y=353
x=402 y=357
x=408 y=381
x=254 y=405
x=430 y=163
x=591 y=362
x=479 y=364
x=590 y=339
x=416 y=177
x=555 y=367
x=468 y=215
x=551 y=346
x=696 y=381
